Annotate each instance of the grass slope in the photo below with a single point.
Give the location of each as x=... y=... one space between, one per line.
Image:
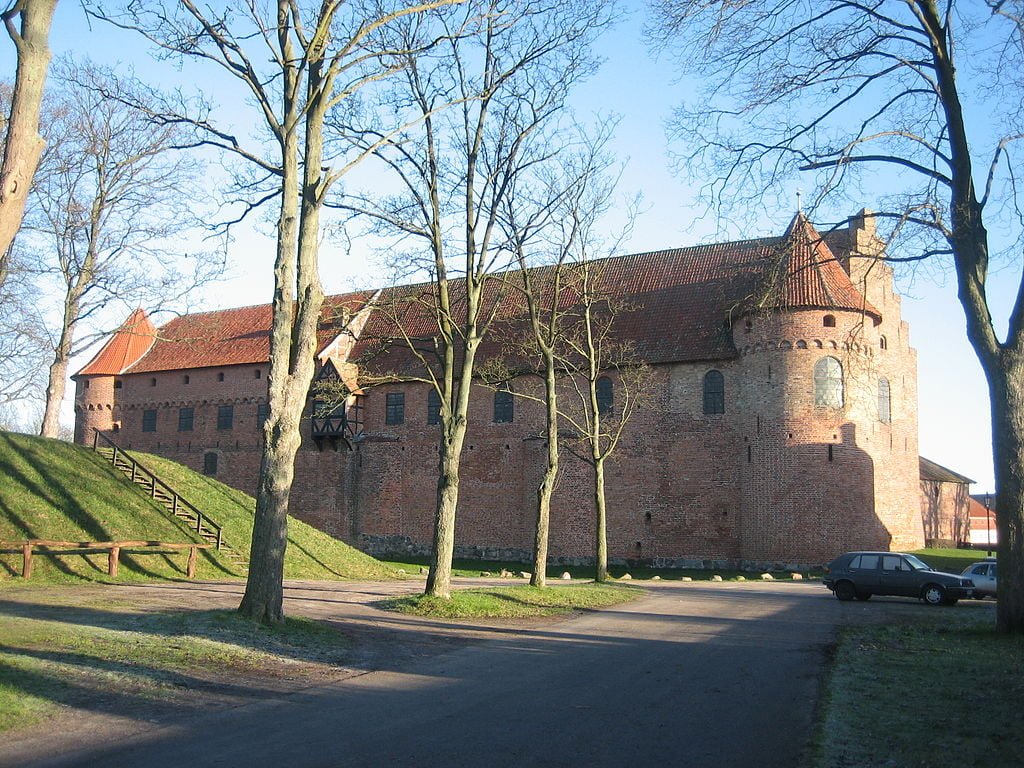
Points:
x=54 y=490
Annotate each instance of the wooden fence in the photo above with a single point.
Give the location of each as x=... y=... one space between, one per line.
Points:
x=113 y=549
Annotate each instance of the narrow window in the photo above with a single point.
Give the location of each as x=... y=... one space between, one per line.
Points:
x=152 y=382
x=605 y=395
x=86 y=383
x=118 y=383
x=829 y=321
x=828 y=383
x=884 y=401
x=503 y=408
x=220 y=377
x=433 y=407
x=185 y=379
x=225 y=417
x=149 y=420
x=883 y=343
x=210 y=463
x=262 y=411
x=395 y=413
x=714 y=392
x=186 y=418
x=258 y=373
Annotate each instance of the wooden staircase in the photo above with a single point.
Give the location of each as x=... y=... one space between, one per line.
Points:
x=181 y=511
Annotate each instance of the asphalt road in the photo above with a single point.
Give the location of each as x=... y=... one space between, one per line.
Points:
x=696 y=674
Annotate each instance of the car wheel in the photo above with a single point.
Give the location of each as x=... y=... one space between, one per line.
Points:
x=845 y=591
x=863 y=596
x=933 y=594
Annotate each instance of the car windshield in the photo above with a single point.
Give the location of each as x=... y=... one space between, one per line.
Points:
x=918 y=564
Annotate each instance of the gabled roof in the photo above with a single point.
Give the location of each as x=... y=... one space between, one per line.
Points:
x=936 y=472
x=128 y=344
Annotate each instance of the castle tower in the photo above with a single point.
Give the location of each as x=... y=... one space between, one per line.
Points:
x=97 y=384
x=829 y=447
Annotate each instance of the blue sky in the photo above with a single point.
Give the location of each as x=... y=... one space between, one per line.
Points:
x=953 y=401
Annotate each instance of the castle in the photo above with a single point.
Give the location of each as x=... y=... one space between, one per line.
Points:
x=779 y=423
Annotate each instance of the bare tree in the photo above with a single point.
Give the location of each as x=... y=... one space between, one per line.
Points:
x=110 y=206
x=547 y=223
x=608 y=383
x=879 y=93
x=22 y=143
x=297 y=65
x=508 y=68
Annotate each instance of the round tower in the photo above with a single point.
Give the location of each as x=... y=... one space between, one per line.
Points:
x=94 y=406
x=97 y=384
x=827 y=416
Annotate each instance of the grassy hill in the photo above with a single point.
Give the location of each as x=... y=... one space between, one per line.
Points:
x=54 y=490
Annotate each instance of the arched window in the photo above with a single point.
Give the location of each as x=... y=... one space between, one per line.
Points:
x=884 y=401
x=433 y=407
x=828 y=383
x=714 y=392
x=503 y=411
x=605 y=395
x=883 y=343
x=829 y=321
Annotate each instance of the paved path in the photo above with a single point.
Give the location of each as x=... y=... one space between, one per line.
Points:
x=696 y=674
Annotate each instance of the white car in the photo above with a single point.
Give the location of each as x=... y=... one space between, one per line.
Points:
x=984 y=576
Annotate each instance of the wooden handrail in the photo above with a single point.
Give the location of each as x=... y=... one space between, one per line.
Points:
x=151 y=476
x=28 y=545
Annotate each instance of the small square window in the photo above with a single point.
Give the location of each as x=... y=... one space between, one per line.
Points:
x=118 y=383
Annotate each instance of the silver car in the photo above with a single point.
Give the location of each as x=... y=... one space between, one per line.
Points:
x=984 y=576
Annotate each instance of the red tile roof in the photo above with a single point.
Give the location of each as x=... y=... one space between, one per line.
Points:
x=679 y=305
x=233 y=336
x=129 y=343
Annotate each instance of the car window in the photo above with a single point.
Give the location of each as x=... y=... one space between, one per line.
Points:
x=994 y=574
x=867 y=562
x=980 y=570
x=917 y=564
x=894 y=563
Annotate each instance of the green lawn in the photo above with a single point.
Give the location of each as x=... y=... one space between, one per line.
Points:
x=942 y=690
x=514 y=602
x=146 y=658
x=55 y=490
x=951 y=560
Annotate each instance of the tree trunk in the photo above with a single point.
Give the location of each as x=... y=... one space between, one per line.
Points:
x=24 y=145
x=1006 y=388
x=55 y=386
x=601 y=549
x=439 y=578
x=547 y=483
x=50 y=426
